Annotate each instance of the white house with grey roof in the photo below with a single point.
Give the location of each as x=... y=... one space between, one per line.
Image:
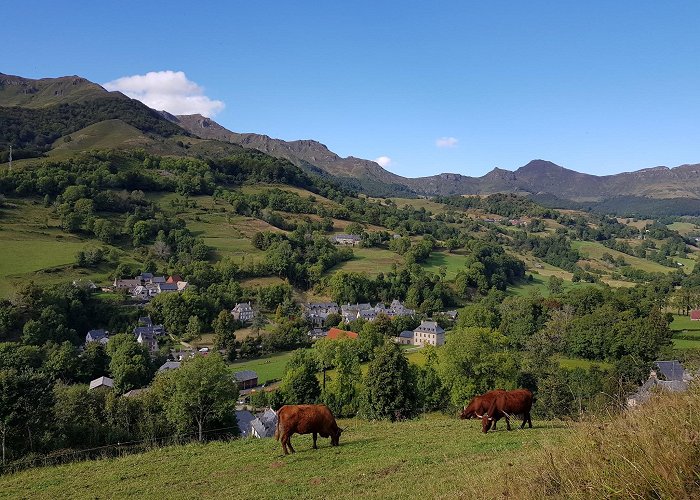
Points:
x=428 y=333
x=264 y=425
x=243 y=312
x=99 y=335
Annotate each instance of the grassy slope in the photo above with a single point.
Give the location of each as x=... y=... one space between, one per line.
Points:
x=370 y=260
x=429 y=457
x=649 y=452
x=596 y=250
x=682 y=325
x=107 y=134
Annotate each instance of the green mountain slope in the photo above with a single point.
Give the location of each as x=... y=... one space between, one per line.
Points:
x=45 y=92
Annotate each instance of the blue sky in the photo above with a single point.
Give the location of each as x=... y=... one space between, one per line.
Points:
x=599 y=87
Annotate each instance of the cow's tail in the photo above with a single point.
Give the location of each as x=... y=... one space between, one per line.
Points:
x=277 y=429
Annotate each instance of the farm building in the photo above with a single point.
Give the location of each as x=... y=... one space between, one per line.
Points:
x=247 y=379
x=337 y=333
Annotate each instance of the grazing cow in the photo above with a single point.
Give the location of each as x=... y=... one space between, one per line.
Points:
x=480 y=405
x=507 y=404
x=305 y=419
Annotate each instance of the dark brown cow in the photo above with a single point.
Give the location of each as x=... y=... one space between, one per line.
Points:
x=305 y=419
x=480 y=405
x=508 y=404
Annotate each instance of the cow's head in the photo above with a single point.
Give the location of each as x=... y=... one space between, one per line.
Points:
x=470 y=411
x=486 y=422
x=335 y=436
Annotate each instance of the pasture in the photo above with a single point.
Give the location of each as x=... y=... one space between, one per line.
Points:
x=595 y=251
x=432 y=456
x=268 y=368
x=369 y=260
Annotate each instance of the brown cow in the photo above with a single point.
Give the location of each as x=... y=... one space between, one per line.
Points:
x=480 y=405
x=507 y=404
x=305 y=419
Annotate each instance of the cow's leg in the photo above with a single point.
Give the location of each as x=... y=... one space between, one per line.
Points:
x=284 y=444
x=315 y=436
x=289 y=443
x=508 y=423
x=529 y=419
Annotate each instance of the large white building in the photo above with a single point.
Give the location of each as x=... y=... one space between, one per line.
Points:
x=428 y=333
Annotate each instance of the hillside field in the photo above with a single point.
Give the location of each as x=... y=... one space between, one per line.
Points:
x=430 y=457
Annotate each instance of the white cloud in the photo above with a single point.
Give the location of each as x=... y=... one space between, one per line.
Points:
x=384 y=161
x=167 y=90
x=446 y=142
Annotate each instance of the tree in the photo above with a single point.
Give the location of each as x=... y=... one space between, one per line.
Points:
x=194 y=328
x=390 y=387
x=203 y=392
x=129 y=363
x=474 y=361
x=555 y=285
x=299 y=383
x=224 y=327
x=340 y=393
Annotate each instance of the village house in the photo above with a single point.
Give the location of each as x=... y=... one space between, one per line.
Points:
x=397 y=309
x=695 y=315
x=243 y=312
x=351 y=312
x=244 y=419
x=317 y=312
x=264 y=426
x=668 y=376
x=246 y=379
x=100 y=335
x=169 y=365
x=404 y=338
x=337 y=333
x=317 y=333
x=428 y=333
x=146 y=286
x=102 y=383
x=346 y=239
x=147 y=333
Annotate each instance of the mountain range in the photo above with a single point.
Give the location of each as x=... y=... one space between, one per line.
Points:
x=538 y=178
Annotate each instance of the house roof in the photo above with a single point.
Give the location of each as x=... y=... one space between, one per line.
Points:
x=670 y=370
x=244 y=419
x=102 y=382
x=429 y=327
x=243 y=306
x=174 y=278
x=167 y=287
x=169 y=365
x=134 y=392
x=336 y=333
x=145 y=321
x=695 y=314
x=245 y=375
x=406 y=334
x=97 y=334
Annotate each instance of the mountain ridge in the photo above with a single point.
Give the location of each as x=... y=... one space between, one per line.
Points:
x=537 y=177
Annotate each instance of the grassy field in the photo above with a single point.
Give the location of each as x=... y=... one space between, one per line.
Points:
x=650 y=452
x=595 y=251
x=430 y=457
x=267 y=368
x=683 y=227
x=573 y=363
x=370 y=260
x=681 y=323
x=454 y=263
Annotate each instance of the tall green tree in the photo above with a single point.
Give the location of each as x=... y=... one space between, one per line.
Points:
x=299 y=383
x=130 y=364
x=224 y=327
x=390 y=387
x=203 y=392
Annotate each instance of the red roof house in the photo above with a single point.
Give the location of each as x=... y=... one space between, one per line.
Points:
x=174 y=279
x=695 y=315
x=337 y=333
